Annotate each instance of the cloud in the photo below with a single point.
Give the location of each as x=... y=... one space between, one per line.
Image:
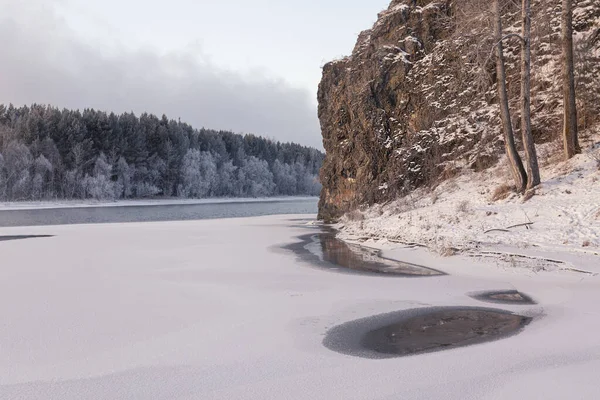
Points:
x=43 y=61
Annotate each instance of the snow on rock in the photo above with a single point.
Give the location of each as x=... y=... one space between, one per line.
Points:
x=416 y=97
x=461 y=215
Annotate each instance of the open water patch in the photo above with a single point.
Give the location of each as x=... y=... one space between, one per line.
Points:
x=504 y=297
x=423 y=330
x=22 y=237
x=324 y=250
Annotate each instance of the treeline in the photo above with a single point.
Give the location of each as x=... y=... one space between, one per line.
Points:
x=47 y=153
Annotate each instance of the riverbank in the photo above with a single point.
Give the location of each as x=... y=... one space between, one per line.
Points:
x=476 y=214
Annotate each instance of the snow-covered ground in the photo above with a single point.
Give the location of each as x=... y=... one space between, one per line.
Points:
x=213 y=310
x=460 y=215
x=34 y=205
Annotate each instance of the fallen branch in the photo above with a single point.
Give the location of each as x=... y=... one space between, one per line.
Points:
x=484 y=253
x=527 y=224
x=408 y=244
x=496 y=230
x=581 y=271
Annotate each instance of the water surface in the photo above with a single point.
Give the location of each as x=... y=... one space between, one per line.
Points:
x=425 y=330
x=324 y=250
x=22 y=237
x=156 y=212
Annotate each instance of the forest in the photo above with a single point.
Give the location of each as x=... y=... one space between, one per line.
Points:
x=47 y=153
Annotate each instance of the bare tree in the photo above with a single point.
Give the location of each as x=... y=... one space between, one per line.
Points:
x=570 y=134
x=533 y=170
x=518 y=171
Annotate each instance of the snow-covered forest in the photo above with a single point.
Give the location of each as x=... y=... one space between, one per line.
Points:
x=47 y=153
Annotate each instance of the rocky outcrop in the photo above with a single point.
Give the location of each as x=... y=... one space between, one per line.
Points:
x=416 y=101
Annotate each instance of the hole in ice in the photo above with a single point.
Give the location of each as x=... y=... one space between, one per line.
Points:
x=21 y=237
x=504 y=297
x=422 y=330
x=325 y=250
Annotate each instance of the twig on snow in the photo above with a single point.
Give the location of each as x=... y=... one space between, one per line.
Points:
x=526 y=224
x=496 y=230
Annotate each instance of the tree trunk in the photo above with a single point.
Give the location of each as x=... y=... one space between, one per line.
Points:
x=570 y=134
x=533 y=171
x=516 y=165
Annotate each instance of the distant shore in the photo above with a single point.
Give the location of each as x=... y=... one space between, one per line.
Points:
x=55 y=204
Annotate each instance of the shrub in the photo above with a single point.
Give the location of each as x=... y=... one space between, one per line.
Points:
x=502 y=192
x=463 y=207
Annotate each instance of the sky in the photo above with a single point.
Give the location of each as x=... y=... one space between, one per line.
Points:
x=247 y=66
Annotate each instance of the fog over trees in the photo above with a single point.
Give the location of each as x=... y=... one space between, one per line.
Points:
x=47 y=153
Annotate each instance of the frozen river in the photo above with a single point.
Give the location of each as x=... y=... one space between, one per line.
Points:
x=221 y=309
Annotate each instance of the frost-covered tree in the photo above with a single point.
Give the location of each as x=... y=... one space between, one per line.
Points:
x=2 y=179
x=51 y=168
x=100 y=186
x=60 y=153
x=172 y=165
x=285 y=178
x=73 y=185
x=21 y=186
x=37 y=187
x=146 y=190
x=146 y=179
x=227 y=183
x=257 y=178
x=42 y=178
x=18 y=162
x=199 y=173
x=124 y=173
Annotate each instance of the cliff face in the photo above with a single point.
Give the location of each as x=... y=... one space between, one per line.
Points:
x=416 y=100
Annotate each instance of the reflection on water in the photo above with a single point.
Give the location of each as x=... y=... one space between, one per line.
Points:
x=324 y=250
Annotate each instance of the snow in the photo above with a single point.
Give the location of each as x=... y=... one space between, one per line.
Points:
x=215 y=309
x=461 y=216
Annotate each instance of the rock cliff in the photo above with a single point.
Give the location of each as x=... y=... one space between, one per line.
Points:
x=415 y=102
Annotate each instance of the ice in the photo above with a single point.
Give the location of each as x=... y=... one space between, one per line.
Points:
x=215 y=309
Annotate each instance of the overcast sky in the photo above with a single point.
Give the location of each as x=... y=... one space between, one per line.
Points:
x=247 y=66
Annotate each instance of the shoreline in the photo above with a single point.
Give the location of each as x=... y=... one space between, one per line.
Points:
x=62 y=204
x=477 y=214
x=500 y=257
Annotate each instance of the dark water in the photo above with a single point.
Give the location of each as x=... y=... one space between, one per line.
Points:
x=158 y=212
x=22 y=237
x=504 y=297
x=423 y=330
x=323 y=249
x=406 y=332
